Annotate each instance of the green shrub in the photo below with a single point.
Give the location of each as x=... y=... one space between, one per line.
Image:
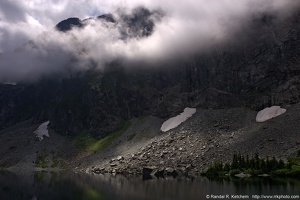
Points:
x=41 y=162
x=281 y=172
x=83 y=140
x=294 y=172
x=101 y=144
x=55 y=162
x=294 y=160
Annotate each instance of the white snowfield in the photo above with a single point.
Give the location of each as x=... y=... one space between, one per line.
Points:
x=175 y=121
x=42 y=131
x=269 y=113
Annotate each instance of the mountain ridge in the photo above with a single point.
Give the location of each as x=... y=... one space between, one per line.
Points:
x=258 y=73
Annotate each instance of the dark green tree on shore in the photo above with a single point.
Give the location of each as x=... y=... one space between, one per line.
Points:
x=255 y=165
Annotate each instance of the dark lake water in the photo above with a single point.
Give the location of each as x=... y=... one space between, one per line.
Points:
x=62 y=185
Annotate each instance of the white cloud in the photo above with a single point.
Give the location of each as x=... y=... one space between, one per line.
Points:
x=188 y=26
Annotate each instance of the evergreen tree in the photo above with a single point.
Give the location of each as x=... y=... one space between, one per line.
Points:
x=269 y=164
x=243 y=162
x=274 y=164
x=247 y=162
x=227 y=167
x=280 y=164
x=257 y=161
x=234 y=164
x=263 y=166
x=239 y=161
x=252 y=163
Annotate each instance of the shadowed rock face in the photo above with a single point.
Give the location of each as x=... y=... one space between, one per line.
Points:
x=68 y=24
x=260 y=68
x=138 y=24
x=107 y=17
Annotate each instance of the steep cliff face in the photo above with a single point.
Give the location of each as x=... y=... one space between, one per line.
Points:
x=260 y=71
x=260 y=68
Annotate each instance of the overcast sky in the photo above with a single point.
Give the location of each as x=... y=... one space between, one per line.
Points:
x=188 y=26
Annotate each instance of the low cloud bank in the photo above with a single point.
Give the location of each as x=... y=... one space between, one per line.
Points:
x=181 y=29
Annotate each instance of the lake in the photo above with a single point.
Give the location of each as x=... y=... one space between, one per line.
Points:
x=44 y=185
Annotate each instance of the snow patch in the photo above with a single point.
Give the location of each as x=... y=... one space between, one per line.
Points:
x=42 y=131
x=269 y=113
x=175 y=121
x=10 y=83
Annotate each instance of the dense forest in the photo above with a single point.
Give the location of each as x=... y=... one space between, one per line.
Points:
x=255 y=166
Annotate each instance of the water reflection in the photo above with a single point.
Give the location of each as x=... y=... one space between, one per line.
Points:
x=63 y=185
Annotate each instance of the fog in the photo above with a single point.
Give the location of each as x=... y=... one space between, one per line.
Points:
x=32 y=48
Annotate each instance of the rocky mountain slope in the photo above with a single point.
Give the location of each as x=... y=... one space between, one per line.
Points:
x=258 y=69
x=210 y=134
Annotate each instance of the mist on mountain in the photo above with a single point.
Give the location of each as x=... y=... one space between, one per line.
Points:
x=152 y=35
x=94 y=73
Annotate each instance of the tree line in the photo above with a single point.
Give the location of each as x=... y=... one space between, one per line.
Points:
x=255 y=166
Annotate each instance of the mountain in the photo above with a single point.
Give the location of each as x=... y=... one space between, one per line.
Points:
x=140 y=23
x=259 y=68
x=68 y=24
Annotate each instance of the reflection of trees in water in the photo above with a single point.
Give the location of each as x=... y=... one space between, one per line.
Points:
x=39 y=184
x=10 y=186
x=63 y=185
x=259 y=184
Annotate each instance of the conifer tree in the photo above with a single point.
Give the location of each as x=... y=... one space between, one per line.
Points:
x=280 y=164
x=257 y=162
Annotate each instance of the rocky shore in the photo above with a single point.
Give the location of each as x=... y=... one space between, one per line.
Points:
x=207 y=136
